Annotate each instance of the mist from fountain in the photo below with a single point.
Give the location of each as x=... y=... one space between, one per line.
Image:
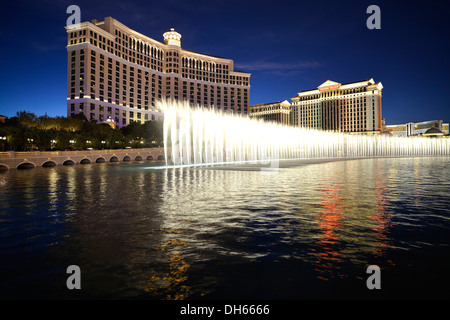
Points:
x=202 y=136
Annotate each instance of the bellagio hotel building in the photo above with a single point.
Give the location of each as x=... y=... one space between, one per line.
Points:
x=117 y=73
x=351 y=107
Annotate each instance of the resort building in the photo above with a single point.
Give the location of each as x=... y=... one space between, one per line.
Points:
x=351 y=107
x=116 y=72
x=279 y=112
x=425 y=128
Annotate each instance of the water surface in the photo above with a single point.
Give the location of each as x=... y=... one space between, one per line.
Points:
x=233 y=232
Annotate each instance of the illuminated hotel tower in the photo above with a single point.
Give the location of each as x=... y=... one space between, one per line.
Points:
x=350 y=107
x=278 y=112
x=115 y=72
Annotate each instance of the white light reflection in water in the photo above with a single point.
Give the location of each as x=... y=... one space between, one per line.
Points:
x=201 y=136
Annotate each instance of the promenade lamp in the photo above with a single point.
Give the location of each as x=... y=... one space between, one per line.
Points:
x=30 y=141
x=52 y=142
x=88 y=142
x=71 y=141
x=3 y=140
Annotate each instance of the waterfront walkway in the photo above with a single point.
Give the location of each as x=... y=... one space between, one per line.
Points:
x=33 y=159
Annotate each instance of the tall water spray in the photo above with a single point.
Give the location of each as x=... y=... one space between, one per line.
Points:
x=198 y=136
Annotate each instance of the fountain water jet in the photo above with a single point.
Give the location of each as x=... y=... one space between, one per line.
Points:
x=202 y=136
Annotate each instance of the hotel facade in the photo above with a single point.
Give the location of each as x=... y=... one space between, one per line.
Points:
x=119 y=74
x=279 y=112
x=352 y=107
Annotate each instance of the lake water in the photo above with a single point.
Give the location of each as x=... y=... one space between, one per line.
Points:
x=229 y=232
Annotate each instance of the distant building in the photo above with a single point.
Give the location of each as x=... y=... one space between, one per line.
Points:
x=351 y=107
x=425 y=128
x=118 y=72
x=279 y=112
x=433 y=132
x=3 y=118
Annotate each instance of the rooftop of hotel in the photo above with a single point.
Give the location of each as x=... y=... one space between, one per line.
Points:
x=366 y=82
x=269 y=103
x=101 y=26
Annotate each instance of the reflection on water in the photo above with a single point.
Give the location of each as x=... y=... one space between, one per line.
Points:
x=170 y=284
x=329 y=223
x=225 y=232
x=353 y=220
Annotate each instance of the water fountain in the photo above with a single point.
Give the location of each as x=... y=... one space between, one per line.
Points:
x=202 y=136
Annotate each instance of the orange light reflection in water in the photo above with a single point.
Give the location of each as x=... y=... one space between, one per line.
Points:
x=381 y=216
x=330 y=220
x=336 y=207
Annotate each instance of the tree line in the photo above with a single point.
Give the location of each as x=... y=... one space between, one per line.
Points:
x=27 y=132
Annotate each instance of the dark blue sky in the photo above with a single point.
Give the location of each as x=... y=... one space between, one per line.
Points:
x=288 y=46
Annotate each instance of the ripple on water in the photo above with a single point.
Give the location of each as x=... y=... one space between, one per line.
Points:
x=216 y=233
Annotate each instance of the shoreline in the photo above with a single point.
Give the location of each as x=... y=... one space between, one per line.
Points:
x=141 y=156
x=33 y=159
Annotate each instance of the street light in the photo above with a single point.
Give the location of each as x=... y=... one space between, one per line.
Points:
x=3 y=139
x=52 y=142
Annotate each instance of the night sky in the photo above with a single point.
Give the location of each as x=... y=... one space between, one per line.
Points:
x=287 y=46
